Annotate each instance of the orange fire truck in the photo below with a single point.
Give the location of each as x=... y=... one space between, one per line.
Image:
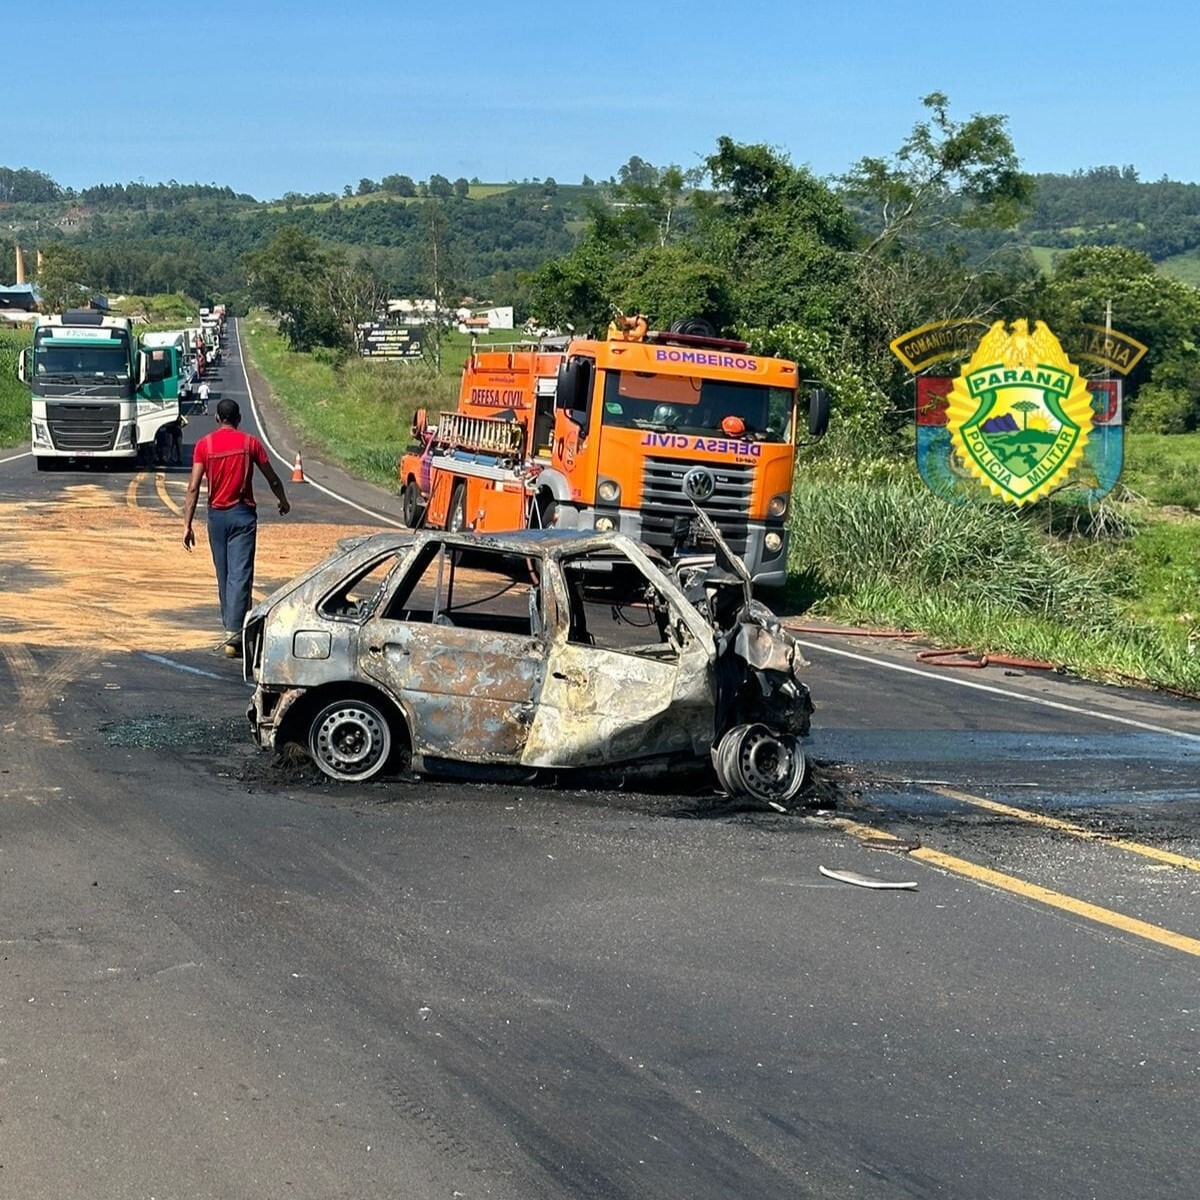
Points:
x=624 y=433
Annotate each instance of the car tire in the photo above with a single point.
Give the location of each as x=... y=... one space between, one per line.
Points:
x=456 y=518
x=350 y=740
x=412 y=507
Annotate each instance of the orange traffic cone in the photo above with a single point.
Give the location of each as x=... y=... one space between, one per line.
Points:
x=298 y=470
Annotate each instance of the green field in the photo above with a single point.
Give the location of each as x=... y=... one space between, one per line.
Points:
x=478 y=191
x=14 y=395
x=1184 y=267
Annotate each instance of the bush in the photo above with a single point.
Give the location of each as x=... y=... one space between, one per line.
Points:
x=1162 y=410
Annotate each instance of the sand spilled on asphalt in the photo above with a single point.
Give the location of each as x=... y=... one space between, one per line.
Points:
x=105 y=568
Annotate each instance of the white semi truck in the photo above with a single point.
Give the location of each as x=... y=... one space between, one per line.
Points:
x=95 y=393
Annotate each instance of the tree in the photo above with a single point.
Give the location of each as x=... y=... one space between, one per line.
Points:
x=965 y=171
x=398 y=185
x=64 y=278
x=1092 y=284
x=440 y=187
x=782 y=235
x=367 y=186
x=287 y=277
x=638 y=171
x=462 y=188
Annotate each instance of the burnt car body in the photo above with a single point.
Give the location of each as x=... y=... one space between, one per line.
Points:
x=544 y=649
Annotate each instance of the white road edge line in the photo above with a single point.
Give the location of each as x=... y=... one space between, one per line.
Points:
x=262 y=433
x=13 y=458
x=1006 y=692
x=162 y=660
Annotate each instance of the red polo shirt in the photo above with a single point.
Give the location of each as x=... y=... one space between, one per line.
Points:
x=229 y=456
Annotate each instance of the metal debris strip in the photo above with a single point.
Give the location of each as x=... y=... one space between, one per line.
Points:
x=868 y=881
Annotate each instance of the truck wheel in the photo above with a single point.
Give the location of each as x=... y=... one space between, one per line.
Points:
x=456 y=518
x=548 y=511
x=411 y=505
x=350 y=740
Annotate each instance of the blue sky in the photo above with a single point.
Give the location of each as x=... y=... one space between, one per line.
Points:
x=270 y=97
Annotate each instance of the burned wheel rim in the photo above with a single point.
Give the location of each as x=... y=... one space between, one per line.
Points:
x=752 y=760
x=350 y=740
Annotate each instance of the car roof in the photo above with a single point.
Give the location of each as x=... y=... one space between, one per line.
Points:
x=548 y=542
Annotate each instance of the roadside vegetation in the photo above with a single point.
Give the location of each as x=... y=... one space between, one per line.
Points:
x=14 y=396
x=1113 y=593
x=358 y=413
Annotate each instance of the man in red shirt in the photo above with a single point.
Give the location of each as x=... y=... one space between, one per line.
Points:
x=228 y=458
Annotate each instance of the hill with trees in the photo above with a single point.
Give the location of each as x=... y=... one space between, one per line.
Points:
x=825 y=270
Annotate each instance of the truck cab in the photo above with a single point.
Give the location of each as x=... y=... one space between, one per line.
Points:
x=94 y=392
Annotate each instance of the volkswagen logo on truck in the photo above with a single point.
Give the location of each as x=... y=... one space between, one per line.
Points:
x=699 y=484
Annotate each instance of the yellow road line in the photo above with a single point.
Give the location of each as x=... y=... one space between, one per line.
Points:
x=131 y=491
x=160 y=485
x=1079 y=831
x=1033 y=891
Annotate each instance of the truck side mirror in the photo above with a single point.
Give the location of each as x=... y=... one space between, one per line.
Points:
x=818 y=412
x=574 y=391
x=25 y=364
x=154 y=366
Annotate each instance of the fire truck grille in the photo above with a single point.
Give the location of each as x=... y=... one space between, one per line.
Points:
x=664 y=499
x=82 y=426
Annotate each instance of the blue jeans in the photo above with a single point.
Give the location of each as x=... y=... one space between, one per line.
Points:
x=232 y=533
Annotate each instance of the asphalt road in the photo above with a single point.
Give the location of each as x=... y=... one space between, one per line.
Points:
x=223 y=978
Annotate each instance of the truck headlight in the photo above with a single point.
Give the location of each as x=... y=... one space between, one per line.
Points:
x=777 y=506
x=41 y=435
x=609 y=491
x=773 y=542
x=605 y=524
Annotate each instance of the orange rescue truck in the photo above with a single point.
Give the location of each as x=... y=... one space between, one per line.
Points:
x=625 y=434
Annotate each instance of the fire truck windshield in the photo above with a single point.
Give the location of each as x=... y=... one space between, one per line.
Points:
x=633 y=400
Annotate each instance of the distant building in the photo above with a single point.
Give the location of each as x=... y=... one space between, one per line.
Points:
x=18 y=302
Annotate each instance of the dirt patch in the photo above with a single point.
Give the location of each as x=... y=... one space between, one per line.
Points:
x=104 y=565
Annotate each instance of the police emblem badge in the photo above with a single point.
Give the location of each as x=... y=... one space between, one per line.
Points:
x=1019 y=414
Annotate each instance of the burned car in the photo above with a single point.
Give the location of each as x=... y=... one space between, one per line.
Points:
x=541 y=649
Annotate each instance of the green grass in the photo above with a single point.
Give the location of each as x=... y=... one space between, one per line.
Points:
x=1163 y=469
x=14 y=395
x=1044 y=257
x=1185 y=267
x=358 y=413
x=1116 y=601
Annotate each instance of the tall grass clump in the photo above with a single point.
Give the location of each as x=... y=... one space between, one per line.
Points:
x=1000 y=580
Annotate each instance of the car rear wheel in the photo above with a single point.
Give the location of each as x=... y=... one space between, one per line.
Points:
x=350 y=740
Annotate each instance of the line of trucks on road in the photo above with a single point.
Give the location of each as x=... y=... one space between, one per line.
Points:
x=633 y=432
x=99 y=391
